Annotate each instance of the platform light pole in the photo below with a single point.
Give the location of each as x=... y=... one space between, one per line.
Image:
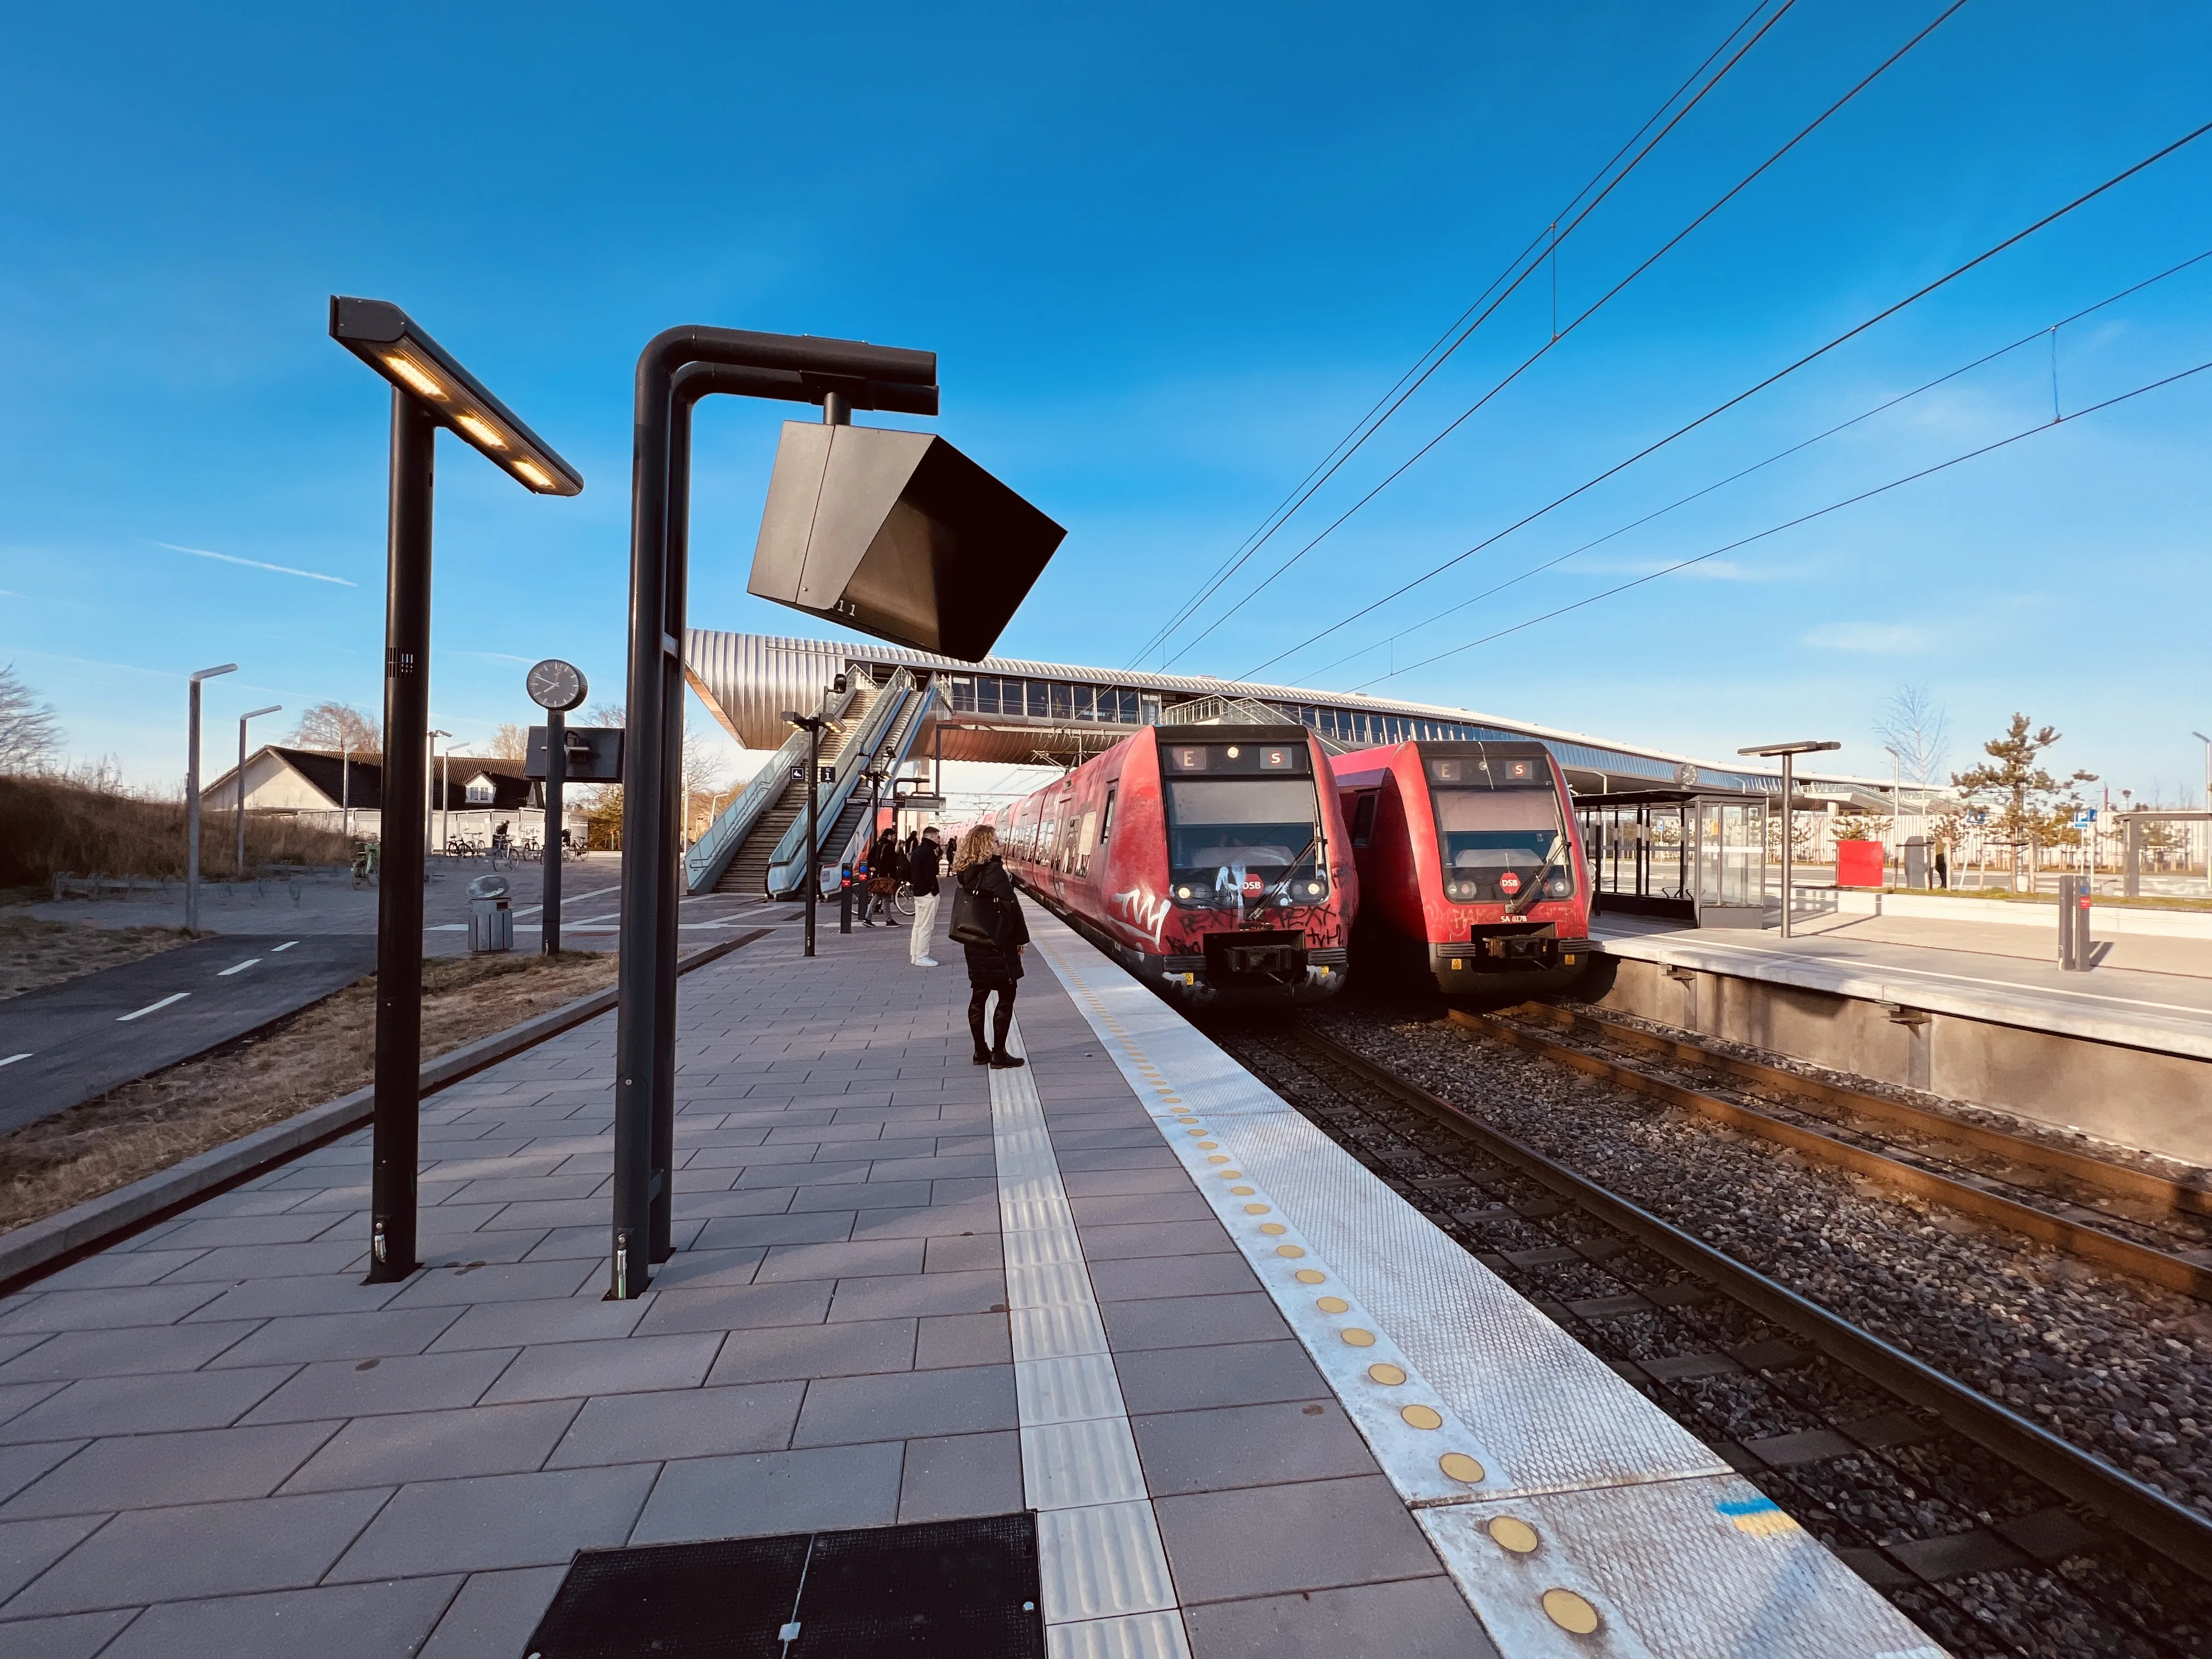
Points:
x=273 y=708
x=1788 y=752
x=193 y=797
x=429 y=390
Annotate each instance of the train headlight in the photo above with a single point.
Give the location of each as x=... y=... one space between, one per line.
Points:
x=1183 y=892
x=1459 y=890
x=1313 y=890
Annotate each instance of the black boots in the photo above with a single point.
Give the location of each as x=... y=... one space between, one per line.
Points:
x=999 y=1061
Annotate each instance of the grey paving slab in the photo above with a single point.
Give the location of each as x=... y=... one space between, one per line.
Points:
x=1221 y=1447
x=27 y=1548
x=115 y=1269
x=494 y=1613
x=635 y=1428
x=1262 y=1541
x=303 y=1337
x=850 y=1349
x=270 y=1299
x=498 y=1521
x=520 y=1281
x=349 y=1621
x=737 y=1309
x=128 y=1351
x=632 y=1365
x=105 y=1309
x=358 y=1388
x=1142 y=1278
x=436 y=1446
x=771 y=1492
x=21 y=1465
x=948 y=1339
x=1223 y=1373
x=904 y=1404
x=919 y=1294
x=149 y=1470
x=202 y=1549
x=1417 y=1618
x=864 y=1259
x=519 y=1324
x=946 y=1479
x=234 y=1263
x=72 y=1636
x=147 y=1404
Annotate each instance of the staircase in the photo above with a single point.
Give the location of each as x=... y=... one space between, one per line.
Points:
x=748 y=869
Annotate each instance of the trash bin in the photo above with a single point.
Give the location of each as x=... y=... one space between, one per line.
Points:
x=1919 y=860
x=491 y=923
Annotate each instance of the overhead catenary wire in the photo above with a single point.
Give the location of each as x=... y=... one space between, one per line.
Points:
x=1753 y=391
x=1882 y=407
x=1802 y=518
x=1445 y=345
x=1603 y=300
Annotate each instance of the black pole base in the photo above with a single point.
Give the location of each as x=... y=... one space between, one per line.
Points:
x=391 y=1273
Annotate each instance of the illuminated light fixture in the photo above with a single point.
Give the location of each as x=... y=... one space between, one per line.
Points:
x=392 y=343
x=412 y=373
x=481 y=429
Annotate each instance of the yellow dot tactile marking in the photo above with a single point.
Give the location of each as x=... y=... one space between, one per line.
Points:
x=1385 y=1373
x=1510 y=1532
x=1292 y=1251
x=1334 y=1304
x=1764 y=1523
x=1312 y=1276
x=1193 y=1131
x=1257 y=1209
x=1230 y=1175
x=1569 y=1612
x=1211 y=1146
x=1422 y=1417
x=1357 y=1337
x=1242 y=1192
x=1273 y=1229
x=1458 y=1466
x=1171 y=1097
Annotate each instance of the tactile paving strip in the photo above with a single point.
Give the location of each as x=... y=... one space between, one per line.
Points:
x=1107 y=1592
x=1470 y=1398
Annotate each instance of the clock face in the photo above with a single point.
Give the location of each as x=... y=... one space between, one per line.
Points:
x=556 y=685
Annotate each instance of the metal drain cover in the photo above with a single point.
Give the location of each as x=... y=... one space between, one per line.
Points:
x=963 y=1589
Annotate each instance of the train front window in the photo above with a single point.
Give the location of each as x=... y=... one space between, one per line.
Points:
x=1235 y=841
x=1495 y=844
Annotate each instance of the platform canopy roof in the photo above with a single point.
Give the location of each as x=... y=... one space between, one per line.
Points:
x=1013 y=711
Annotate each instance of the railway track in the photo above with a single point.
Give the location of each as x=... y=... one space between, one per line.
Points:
x=2133 y=1220
x=1993 y=1534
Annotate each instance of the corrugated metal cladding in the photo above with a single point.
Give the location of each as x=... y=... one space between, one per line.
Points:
x=1006 y=709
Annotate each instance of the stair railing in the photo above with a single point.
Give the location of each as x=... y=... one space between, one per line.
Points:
x=709 y=857
x=786 y=871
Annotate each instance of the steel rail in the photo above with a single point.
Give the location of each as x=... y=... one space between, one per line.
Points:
x=2180 y=1197
x=2090 y=1244
x=2178 y=1533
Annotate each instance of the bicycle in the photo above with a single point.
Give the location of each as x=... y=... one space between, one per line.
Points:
x=903 y=901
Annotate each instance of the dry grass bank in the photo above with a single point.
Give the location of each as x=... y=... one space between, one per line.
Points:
x=317 y=1054
x=34 y=953
x=50 y=825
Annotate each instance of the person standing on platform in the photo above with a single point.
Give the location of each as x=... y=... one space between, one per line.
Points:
x=921 y=876
x=1942 y=868
x=884 y=874
x=994 y=910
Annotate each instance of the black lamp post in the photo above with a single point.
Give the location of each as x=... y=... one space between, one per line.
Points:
x=429 y=390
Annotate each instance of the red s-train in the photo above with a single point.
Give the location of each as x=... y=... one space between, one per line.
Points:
x=1471 y=865
x=1210 y=860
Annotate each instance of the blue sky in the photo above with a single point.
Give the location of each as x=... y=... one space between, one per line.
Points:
x=1167 y=256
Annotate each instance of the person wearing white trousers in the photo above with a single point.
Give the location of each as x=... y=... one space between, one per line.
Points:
x=921 y=876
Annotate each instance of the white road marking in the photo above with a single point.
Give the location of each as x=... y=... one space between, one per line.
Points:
x=286 y=945
x=241 y=968
x=177 y=996
x=12 y=1059
x=569 y=898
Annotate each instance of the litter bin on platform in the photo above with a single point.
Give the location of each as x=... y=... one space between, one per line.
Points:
x=491 y=923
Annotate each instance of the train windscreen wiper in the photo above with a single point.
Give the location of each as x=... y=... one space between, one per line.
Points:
x=1291 y=874
x=1520 y=905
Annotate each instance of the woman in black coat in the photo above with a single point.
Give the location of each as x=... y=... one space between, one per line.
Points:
x=998 y=965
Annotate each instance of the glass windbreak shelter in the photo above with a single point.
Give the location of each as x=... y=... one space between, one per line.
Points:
x=1695 y=855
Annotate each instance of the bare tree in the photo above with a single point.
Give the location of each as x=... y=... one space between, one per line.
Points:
x=30 y=737
x=511 y=742
x=605 y=713
x=336 y=726
x=1913 y=724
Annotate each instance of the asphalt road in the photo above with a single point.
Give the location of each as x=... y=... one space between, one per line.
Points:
x=71 y=1043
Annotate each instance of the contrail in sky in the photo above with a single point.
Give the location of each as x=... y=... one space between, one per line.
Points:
x=256 y=564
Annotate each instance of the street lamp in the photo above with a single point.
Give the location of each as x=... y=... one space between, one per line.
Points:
x=273 y=708
x=1788 y=752
x=433 y=798
x=814 y=725
x=1897 y=809
x=192 y=798
x=2207 y=742
x=429 y=389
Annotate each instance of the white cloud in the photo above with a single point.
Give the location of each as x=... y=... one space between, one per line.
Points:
x=256 y=564
x=1878 y=639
